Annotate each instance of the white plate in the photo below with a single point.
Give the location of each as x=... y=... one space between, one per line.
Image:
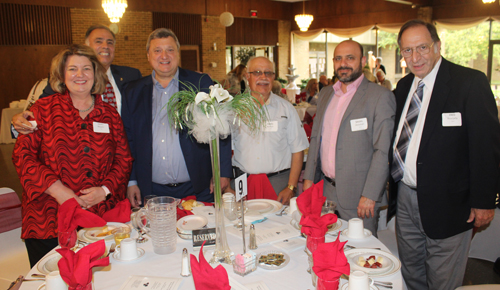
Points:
x=396 y=264
x=276 y=205
x=191 y=222
x=261 y=206
x=386 y=263
x=273 y=267
x=85 y=234
x=295 y=222
x=346 y=285
x=345 y=233
x=140 y=254
x=49 y=263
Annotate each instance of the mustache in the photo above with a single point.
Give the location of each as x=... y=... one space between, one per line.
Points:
x=263 y=82
x=345 y=67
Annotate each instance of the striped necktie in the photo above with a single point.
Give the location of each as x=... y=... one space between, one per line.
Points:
x=109 y=95
x=399 y=153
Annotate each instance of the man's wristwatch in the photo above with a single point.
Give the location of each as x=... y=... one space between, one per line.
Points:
x=292 y=187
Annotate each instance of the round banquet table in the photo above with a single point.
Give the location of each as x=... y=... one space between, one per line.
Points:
x=292 y=276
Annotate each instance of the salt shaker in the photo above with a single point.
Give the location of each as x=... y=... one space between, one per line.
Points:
x=253 y=239
x=185 y=267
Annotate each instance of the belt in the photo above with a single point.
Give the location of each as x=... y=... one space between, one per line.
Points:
x=238 y=172
x=331 y=181
x=174 y=184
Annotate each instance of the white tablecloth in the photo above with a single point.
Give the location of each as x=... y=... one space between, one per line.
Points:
x=293 y=276
x=7 y=114
x=303 y=108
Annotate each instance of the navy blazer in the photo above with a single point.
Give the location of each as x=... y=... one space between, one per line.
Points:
x=457 y=167
x=137 y=119
x=121 y=74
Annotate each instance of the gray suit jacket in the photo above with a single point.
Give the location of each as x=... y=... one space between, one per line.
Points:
x=361 y=166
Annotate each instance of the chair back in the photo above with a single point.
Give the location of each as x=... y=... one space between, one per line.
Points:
x=10 y=210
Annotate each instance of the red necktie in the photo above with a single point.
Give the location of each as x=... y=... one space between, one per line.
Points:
x=109 y=95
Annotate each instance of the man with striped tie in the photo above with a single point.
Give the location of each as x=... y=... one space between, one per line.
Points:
x=444 y=161
x=102 y=40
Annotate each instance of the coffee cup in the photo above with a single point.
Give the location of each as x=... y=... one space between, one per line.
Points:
x=53 y=281
x=127 y=250
x=356 y=229
x=293 y=205
x=358 y=280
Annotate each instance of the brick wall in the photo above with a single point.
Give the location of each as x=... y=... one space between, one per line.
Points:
x=135 y=28
x=213 y=31
x=284 y=28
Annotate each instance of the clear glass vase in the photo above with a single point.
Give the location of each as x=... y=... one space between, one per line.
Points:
x=222 y=253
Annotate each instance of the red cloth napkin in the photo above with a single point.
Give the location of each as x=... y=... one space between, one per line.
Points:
x=330 y=261
x=207 y=278
x=71 y=216
x=260 y=187
x=76 y=268
x=311 y=200
x=182 y=212
x=120 y=213
x=317 y=226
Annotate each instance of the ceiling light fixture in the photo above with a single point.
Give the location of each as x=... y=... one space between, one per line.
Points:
x=303 y=20
x=488 y=1
x=114 y=9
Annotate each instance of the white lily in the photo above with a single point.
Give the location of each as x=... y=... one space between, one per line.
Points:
x=220 y=94
x=200 y=97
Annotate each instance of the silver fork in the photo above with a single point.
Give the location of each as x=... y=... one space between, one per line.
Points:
x=349 y=247
x=282 y=210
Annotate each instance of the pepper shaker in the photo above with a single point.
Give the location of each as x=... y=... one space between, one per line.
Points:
x=253 y=239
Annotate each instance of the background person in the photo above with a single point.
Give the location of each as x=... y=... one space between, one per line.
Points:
x=236 y=81
x=79 y=150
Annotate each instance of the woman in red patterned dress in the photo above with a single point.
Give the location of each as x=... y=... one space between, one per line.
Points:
x=79 y=150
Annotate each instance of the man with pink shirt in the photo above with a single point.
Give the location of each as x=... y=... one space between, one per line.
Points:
x=351 y=138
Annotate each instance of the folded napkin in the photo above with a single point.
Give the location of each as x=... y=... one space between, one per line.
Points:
x=76 y=268
x=317 y=226
x=311 y=200
x=120 y=213
x=207 y=278
x=260 y=187
x=71 y=216
x=330 y=263
x=182 y=212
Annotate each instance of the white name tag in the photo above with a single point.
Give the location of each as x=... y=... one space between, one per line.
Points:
x=271 y=126
x=359 y=124
x=101 y=127
x=452 y=119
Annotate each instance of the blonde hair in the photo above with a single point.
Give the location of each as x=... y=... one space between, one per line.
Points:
x=310 y=84
x=58 y=67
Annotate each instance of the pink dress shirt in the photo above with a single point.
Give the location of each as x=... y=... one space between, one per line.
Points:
x=331 y=123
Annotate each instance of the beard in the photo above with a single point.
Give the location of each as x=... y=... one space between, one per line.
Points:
x=347 y=78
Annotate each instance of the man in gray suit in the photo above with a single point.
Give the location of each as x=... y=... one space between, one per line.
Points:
x=351 y=137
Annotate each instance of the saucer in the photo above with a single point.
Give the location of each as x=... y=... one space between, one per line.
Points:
x=140 y=254
x=367 y=232
x=346 y=286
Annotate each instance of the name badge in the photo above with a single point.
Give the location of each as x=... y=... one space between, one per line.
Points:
x=271 y=126
x=101 y=127
x=359 y=124
x=452 y=119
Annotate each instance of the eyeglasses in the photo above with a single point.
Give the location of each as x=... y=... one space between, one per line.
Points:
x=258 y=73
x=421 y=49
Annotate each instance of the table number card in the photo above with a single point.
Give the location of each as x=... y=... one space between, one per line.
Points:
x=276 y=234
x=241 y=186
x=157 y=283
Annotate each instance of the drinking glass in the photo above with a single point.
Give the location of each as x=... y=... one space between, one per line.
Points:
x=137 y=217
x=120 y=234
x=67 y=239
x=328 y=207
x=146 y=198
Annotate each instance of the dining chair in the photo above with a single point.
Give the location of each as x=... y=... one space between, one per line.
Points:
x=13 y=255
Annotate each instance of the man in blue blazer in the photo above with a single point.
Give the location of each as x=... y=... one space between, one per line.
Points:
x=444 y=161
x=102 y=40
x=167 y=162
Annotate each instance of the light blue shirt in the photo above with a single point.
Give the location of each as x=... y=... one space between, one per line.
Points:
x=169 y=165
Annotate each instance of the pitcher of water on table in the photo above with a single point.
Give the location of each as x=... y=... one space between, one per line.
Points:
x=161 y=214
